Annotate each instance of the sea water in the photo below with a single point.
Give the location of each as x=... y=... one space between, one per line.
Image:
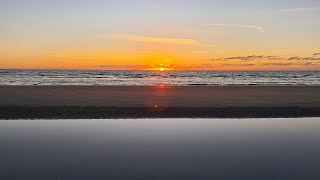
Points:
x=142 y=78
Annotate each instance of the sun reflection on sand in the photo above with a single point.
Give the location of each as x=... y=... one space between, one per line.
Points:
x=160 y=97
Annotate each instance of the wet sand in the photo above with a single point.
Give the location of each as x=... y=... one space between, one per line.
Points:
x=53 y=102
x=170 y=149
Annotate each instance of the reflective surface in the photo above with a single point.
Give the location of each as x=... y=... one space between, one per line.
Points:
x=160 y=149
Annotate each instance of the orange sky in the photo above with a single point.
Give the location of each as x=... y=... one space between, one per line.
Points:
x=196 y=35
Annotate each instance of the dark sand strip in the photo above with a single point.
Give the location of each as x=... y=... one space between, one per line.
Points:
x=46 y=112
x=77 y=102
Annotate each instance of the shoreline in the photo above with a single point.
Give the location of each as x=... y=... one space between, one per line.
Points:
x=164 y=85
x=115 y=102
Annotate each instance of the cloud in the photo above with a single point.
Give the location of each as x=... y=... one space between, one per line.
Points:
x=149 y=67
x=145 y=39
x=279 y=64
x=249 y=58
x=134 y=67
x=195 y=66
x=239 y=65
x=299 y=10
x=123 y=67
x=257 y=28
x=296 y=58
x=314 y=57
x=312 y=64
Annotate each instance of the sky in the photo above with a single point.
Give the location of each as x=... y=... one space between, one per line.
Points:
x=154 y=34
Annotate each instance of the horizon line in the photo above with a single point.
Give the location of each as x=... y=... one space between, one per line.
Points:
x=44 y=69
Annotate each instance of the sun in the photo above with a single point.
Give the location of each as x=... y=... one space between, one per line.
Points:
x=162 y=69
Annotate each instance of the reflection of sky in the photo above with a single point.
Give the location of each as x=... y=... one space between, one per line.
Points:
x=170 y=148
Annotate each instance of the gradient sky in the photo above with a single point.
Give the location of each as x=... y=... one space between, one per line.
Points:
x=149 y=34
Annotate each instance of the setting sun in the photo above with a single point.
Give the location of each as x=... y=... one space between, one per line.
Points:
x=162 y=69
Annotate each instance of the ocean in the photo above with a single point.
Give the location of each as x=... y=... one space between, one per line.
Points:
x=146 y=78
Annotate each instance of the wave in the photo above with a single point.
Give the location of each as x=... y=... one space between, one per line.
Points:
x=173 y=78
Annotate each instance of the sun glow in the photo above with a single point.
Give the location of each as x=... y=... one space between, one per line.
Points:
x=162 y=69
